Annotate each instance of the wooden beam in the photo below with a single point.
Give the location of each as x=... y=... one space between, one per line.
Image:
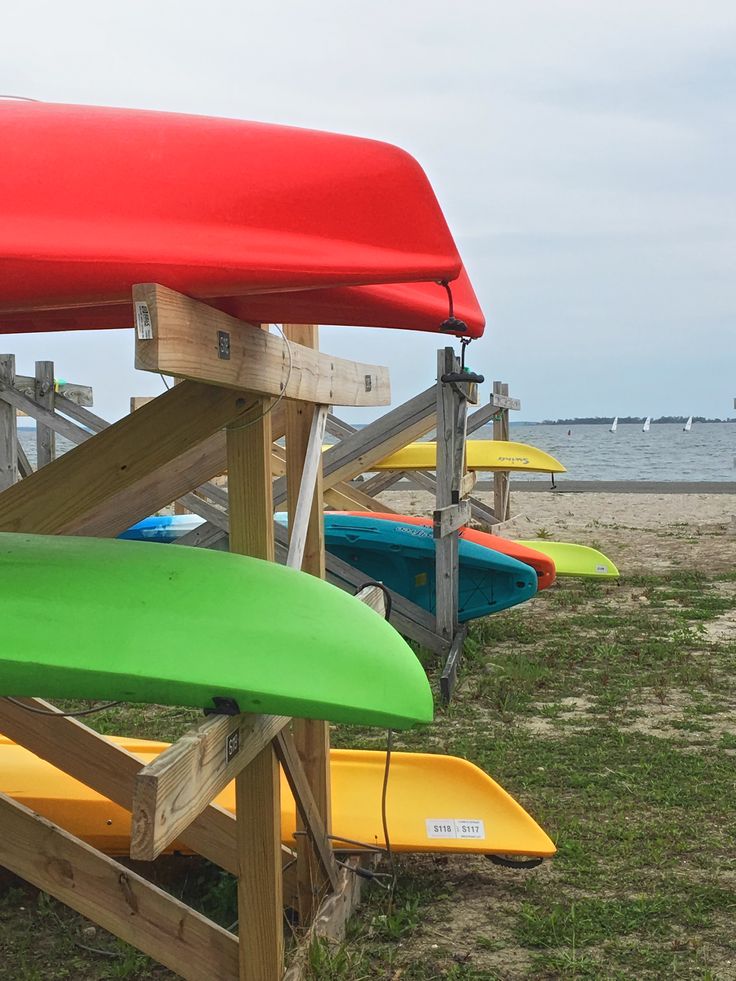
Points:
x=79 y=394
x=446 y=549
x=468 y=482
x=258 y=786
x=176 y=787
x=188 y=339
x=109 y=769
x=115 y=897
x=307 y=806
x=42 y=415
x=311 y=736
x=44 y=395
x=500 y=400
x=55 y=499
x=305 y=514
x=501 y=478
x=8 y=426
x=448 y=678
x=450 y=518
x=331 y=919
x=79 y=414
x=356 y=453
x=24 y=464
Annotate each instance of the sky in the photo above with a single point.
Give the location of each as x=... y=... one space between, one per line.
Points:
x=583 y=152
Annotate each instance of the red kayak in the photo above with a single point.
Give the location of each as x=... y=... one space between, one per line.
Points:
x=270 y=223
x=542 y=564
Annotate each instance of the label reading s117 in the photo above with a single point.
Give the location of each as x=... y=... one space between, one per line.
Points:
x=143 y=325
x=602 y=569
x=460 y=828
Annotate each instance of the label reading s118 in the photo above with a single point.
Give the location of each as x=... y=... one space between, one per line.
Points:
x=601 y=569
x=455 y=828
x=143 y=325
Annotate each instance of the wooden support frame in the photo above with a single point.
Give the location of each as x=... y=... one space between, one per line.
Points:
x=175 y=443
x=8 y=426
x=501 y=403
x=225 y=351
x=112 y=895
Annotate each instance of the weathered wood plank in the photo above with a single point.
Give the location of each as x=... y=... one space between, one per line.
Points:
x=503 y=401
x=44 y=396
x=115 y=897
x=331 y=920
x=308 y=807
x=176 y=787
x=448 y=679
x=24 y=464
x=8 y=426
x=305 y=513
x=355 y=453
x=501 y=478
x=311 y=736
x=79 y=394
x=451 y=518
x=189 y=339
x=57 y=498
x=109 y=769
x=446 y=549
x=258 y=786
x=44 y=416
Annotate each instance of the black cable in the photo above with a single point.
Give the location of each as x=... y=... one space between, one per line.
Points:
x=384 y=818
x=386 y=595
x=62 y=715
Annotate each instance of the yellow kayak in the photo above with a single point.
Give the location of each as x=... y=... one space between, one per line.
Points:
x=575 y=560
x=481 y=454
x=434 y=803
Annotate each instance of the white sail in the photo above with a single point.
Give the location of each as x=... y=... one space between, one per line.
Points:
x=647 y=423
x=614 y=425
x=688 y=425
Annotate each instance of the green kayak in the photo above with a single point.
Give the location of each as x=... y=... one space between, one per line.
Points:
x=575 y=560
x=107 y=619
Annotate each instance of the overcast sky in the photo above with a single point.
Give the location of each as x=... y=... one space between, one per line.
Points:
x=583 y=152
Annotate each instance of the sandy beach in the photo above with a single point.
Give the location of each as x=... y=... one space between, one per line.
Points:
x=640 y=532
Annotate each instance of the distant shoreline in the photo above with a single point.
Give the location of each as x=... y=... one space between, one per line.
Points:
x=563 y=486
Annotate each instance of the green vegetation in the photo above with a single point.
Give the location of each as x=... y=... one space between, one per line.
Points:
x=609 y=711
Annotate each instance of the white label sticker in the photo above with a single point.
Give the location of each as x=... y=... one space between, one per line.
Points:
x=601 y=568
x=455 y=828
x=143 y=324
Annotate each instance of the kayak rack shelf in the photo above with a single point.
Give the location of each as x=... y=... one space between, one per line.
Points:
x=223 y=414
x=235 y=398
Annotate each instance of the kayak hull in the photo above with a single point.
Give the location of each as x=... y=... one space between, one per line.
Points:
x=108 y=619
x=95 y=199
x=434 y=803
x=480 y=454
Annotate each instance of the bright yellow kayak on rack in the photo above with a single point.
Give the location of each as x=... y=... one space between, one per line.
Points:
x=481 y=454
x=434 y=803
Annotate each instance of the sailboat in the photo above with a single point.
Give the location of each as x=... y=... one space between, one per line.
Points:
x=614 y=425
x=688 y=425
x=647 y=422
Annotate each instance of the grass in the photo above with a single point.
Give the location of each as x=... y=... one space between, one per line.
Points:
x=608 y=711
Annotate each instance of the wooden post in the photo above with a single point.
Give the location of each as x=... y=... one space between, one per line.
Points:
x=447 y=547
x=258 y=787
x=501 y=504
x=8 y=427
x=311 y=737
x=44 y=395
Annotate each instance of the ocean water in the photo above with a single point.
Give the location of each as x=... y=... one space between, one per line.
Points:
x=707 y=452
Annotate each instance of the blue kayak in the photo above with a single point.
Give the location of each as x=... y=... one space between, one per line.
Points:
x=403 y=557
x=400 y=555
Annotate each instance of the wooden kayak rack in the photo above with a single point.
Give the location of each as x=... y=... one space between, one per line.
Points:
x=240 y=389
